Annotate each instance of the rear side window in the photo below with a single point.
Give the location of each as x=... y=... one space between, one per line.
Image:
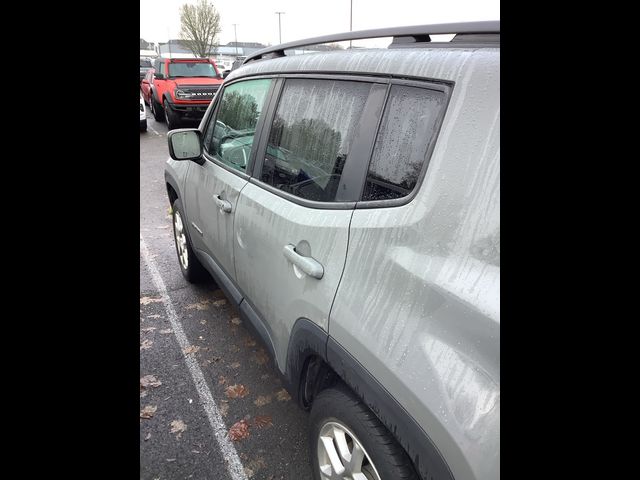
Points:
x=229 y=138
x=311 y=135
x=408 y=128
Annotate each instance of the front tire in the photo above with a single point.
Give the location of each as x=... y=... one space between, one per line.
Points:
x=191 y=268
x=143 y=125
x=348 y=441
x=170 y=117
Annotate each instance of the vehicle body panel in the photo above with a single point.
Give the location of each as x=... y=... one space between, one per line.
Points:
x=418 y=304
x=265 y=224
x=211 y=228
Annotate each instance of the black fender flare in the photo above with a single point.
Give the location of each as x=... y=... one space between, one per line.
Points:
x=308 y=339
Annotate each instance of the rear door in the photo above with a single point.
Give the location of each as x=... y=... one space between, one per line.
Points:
x=213 y=187
x=292 y=218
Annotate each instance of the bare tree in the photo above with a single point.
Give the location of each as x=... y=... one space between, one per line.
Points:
x=200 y=25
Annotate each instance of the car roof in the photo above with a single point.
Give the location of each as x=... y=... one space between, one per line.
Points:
x=411 y=54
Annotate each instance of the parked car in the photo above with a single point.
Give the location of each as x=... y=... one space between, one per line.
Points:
x=348 y=203
x=145 y=86
x=180 y=89
x=145 y=65
x=143 y=116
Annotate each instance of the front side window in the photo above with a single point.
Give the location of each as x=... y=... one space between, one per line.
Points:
x=229 y=137
x=311 y=136
x=407 y=130
x=161 y=68
x=185 y=69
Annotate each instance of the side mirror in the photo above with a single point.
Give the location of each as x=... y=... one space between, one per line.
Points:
x=226 y=73
x=144 y=80
x=158 y=76
x=185 y=144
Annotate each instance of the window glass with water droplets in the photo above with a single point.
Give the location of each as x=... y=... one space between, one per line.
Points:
x=407 y=130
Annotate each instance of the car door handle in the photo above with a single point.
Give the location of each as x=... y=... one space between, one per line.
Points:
x=308 y=265
x=222 y=204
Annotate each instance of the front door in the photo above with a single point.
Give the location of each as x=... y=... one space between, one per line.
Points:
x=213 y=187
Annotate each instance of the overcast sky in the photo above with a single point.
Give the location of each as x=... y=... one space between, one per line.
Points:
x=257 y=22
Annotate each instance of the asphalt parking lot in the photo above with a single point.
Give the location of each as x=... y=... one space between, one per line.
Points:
x=202 y=374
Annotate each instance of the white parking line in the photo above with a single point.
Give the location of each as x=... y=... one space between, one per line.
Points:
x=229 y=453
x=153 y=130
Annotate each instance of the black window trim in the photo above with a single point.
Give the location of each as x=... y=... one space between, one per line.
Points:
x=246 y=175
x=256 y=161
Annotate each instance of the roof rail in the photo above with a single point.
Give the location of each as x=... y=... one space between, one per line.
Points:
x=420 y=33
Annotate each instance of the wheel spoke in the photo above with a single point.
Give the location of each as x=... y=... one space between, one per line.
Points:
x=341 y=441
x=359 y=476
x=357 y=456
x=336 y=464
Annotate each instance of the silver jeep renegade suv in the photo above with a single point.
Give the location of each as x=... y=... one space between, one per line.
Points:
x=348 y=202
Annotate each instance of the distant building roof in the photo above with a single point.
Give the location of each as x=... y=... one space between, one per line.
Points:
x=231 y=48
x=246 y=44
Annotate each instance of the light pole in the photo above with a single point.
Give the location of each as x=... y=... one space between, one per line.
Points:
x=280 y=25
x=235 y=33
x=351 y=21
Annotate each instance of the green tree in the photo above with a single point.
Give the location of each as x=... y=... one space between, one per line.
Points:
x=200 y=25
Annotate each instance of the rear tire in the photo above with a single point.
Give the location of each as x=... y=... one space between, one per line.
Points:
x=157 y=109
x=191 y=268
x=338 y=414
x=143 y=125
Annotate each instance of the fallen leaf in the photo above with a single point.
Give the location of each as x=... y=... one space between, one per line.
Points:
x=236 y=391
x=261 y=401
x=222 y=380
x=155 y=315
x=171 y=459
x=257 y=464
x=166 y=331
x=219 y=303
x=203 y=322
x=235 y=365
x=148 y=329
x=282 y=395
x=145 y=345
x=239 y=430
x=148 y=300
x=178 y=426
x=191 y=349
x=148 y=411
x=261 y=357
x=236 y=321
x=248 y=472
x=143 y=393
x=149 y=381
x=249 y=342
x=203 y=305
x=262 y=421
x=224 y=408
x=147 y=437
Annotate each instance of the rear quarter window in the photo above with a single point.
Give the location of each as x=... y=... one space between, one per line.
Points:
x=408 y=128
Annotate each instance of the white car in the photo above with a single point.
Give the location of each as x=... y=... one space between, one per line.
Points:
x=143 y=116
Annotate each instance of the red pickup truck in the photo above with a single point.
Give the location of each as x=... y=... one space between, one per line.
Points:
x=178 y=89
